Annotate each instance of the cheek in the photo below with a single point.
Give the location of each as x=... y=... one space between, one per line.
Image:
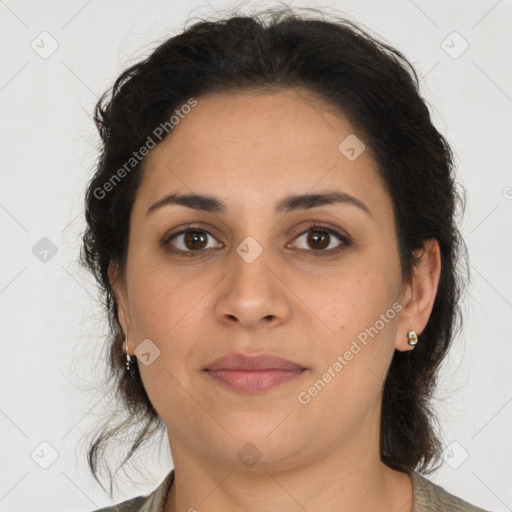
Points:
x=166 y=312
x=352 y=302
x=168 y=308
x=163 y=299
x=357 y=308
x=356 y=349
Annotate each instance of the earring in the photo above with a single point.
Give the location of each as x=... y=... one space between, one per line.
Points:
x=128 y=358
x=413 y=338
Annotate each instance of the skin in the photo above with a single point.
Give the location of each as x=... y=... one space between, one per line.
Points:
x=251 y=150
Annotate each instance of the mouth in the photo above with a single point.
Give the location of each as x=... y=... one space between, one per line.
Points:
x=253 y=381
x=253 y=374
x=239 y=361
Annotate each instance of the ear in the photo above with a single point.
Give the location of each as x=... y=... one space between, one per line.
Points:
x=118 y=284
x=419 y=295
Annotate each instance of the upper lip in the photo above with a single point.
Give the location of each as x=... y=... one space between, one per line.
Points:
x=240 y=361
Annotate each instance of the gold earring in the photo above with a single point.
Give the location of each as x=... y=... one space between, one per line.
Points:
x=128 y=358
x=412 y=338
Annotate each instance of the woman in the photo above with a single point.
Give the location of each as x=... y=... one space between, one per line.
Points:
x=272 y=221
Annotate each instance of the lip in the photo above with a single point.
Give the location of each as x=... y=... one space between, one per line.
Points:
x=245 y=362
x=253 y=381
x=253 y=374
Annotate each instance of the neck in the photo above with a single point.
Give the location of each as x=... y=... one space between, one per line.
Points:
x=324 y=484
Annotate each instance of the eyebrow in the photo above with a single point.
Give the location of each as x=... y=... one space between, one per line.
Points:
x=287 y=204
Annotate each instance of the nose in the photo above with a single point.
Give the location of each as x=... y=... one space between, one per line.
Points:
x=254 y=295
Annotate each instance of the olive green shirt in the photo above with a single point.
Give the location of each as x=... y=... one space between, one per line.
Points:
x=428 y=497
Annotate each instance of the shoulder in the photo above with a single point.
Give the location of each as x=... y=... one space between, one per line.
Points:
x=429 y=496
x=153 y=502
x=131 y=505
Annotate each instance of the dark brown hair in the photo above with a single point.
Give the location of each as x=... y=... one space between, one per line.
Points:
x=377 y=88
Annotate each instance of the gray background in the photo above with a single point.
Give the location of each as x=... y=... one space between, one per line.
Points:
x=51 y=326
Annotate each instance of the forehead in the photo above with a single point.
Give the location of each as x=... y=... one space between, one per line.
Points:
x=259 y=144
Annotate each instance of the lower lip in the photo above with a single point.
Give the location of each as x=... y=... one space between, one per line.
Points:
x=254 y=381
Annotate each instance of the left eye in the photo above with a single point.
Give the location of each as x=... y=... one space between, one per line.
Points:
x=321 y=238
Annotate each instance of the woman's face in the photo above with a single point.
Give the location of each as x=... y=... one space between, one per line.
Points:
x=258 y=278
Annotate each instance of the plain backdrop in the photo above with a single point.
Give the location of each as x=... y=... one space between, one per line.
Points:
x=57 y=58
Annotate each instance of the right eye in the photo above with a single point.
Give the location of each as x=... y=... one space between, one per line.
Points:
x=190 y=240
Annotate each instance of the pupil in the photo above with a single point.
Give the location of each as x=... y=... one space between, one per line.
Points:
x=192 y=237
x=316 y=238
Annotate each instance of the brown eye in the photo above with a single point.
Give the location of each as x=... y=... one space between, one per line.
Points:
x=194 y=240
x=190 y=241
x=318 y=239
x=321 y=239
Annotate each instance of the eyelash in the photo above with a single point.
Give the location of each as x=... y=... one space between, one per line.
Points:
x=315 y=226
